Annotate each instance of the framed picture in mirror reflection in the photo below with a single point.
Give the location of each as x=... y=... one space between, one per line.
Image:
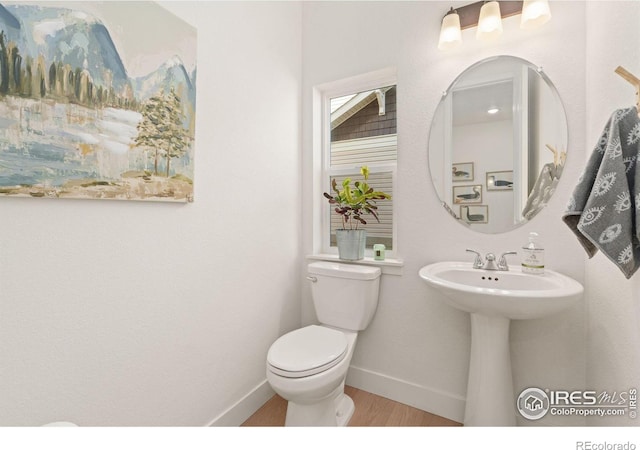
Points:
x=462 y=171
x=474 y=213
x=467 y=194
x=500 y=181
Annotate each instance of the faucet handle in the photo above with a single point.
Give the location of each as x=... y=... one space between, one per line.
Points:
x=502 y=262
x=477 y=263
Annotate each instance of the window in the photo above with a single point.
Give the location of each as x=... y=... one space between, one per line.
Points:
x=360 y=129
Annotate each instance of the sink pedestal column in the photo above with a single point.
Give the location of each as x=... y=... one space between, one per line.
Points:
x=490 y=398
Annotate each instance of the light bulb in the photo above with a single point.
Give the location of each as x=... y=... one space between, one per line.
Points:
x=490 y=22
x=450 y=34
x=535 y=13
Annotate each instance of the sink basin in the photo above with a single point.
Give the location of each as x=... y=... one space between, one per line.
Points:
x=512 y=294
x=493 y=298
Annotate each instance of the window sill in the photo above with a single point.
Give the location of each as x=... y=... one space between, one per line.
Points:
x=389 y=266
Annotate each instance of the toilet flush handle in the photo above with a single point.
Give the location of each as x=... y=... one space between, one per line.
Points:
x=312 y=279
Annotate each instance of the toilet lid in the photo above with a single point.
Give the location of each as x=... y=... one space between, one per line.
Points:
x=307 y=351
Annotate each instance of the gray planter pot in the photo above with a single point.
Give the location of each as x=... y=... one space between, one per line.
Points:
x=351 y=244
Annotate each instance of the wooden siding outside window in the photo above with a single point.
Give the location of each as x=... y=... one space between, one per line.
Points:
x=367 y=138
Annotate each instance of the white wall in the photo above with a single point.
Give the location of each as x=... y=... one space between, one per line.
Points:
x=115 y=313
x=133 y=313
x=417 y=348
x=613 y=331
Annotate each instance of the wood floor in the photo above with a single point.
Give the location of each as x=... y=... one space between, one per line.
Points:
x=371 y=411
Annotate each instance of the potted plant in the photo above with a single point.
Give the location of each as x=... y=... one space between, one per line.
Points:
x=352 y=203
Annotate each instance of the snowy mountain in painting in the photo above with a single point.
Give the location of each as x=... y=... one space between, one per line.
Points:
x=82 y=41
x=171 y=75
x=9 y=23
x=67 y=36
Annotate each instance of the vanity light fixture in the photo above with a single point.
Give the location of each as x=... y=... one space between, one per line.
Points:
x=535 y=13
x=450 y=33
x=493 y=110
x=487 y=16
x=489 y=22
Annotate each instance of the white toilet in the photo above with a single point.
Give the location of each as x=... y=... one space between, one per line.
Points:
x=308 y=366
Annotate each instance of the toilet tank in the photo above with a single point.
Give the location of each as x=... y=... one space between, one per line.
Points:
x=344 y=295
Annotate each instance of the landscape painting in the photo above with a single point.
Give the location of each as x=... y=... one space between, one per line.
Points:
x=97 y=101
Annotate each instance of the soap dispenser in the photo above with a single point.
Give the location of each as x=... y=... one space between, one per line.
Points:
x=533 y=256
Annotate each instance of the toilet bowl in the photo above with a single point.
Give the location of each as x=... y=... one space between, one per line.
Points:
x=315 y=391
x=308 y=366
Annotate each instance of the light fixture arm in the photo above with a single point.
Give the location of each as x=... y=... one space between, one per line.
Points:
x=451 y=11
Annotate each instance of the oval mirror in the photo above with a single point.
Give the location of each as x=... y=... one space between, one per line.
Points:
x=497 y=144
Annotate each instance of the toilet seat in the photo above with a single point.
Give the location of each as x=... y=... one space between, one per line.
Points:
x=307 y=351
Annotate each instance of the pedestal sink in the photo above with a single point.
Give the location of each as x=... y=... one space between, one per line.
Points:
x=494 y=298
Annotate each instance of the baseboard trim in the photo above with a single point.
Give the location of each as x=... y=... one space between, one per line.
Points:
x=431 y=400
x=245 y=407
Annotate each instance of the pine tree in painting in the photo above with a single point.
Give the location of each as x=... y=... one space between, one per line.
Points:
x=161 y=128
x=177 y=135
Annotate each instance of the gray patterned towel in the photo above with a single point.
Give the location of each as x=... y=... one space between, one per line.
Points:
x=605 y=206
x=543 y=189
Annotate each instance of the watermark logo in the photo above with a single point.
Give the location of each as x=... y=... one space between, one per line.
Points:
x=534 y=403
x=589 y=445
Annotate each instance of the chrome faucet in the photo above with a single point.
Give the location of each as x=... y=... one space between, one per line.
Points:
x=477 y=262
x=502 y=262
x=490 y=261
